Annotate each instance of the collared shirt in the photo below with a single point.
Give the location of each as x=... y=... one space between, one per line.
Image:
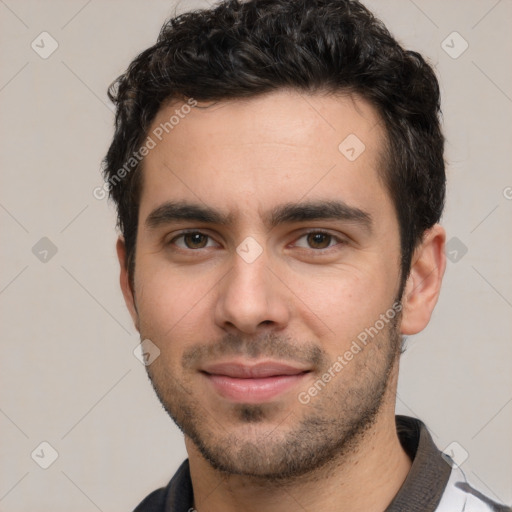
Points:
x=434 y=483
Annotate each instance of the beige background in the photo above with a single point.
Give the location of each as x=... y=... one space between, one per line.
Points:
x=68 y=375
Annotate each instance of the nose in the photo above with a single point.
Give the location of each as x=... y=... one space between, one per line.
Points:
x=251 y=298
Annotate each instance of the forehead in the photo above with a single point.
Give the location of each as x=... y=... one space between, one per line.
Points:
x=251 y=153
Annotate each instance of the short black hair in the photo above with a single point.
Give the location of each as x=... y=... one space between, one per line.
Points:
x=242 y=49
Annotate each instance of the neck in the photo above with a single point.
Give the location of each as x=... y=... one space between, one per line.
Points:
x=366 y=479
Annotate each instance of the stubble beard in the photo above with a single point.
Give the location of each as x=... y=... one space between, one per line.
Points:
x=327 y=430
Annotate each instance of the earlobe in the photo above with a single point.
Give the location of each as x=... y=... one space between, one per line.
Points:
x=124 y=281
x=424 y=282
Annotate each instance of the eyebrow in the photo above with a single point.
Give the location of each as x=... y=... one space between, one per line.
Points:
x=177 y=211
x=172 y=211
x=318 y=210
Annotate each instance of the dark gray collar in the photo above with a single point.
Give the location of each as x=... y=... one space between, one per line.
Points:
x=421 y=491
x=429 y=474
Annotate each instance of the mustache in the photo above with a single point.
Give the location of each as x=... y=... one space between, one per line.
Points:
x=269 y=345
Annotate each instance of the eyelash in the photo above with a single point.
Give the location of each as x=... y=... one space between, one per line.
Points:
x=335 y=238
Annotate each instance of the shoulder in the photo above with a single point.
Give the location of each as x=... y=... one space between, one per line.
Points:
x=459 y=494
x=155 y=502
x=177 y=496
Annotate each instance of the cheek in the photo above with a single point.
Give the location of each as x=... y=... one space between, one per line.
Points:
x=170 y=301
x=344 y=302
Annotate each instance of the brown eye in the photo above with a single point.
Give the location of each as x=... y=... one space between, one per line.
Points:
x=195 y=240
x=319 y=240
x=192 y=244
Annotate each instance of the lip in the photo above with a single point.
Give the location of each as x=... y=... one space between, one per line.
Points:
x=254 y=383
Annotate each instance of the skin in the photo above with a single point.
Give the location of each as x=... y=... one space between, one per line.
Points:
x=303 y=300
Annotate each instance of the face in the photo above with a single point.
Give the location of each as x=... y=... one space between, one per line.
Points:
x=265 y=255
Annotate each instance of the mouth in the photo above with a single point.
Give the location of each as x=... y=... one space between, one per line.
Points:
x=253 y=383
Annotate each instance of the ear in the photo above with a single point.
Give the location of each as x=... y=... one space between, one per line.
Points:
x=124 y=280
x=424 y=282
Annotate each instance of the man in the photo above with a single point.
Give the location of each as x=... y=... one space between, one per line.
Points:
x=278 y=171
